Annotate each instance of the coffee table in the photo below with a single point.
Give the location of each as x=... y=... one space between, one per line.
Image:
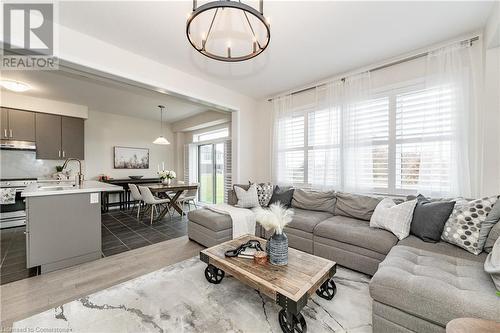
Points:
x=289 y=286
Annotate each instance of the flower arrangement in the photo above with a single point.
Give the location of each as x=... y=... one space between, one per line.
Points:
x=275 y=218
x=167 y=174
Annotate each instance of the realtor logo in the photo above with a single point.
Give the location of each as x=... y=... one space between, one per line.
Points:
x=28 y=29
x=28 y=35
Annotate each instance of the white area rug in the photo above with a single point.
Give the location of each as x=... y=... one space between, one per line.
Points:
x=179 y=299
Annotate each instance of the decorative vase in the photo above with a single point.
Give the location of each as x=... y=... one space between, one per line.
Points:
x=278 y=249
x=167 y=181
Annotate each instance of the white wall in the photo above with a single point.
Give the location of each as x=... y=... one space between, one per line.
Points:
x=105 y=130
x=20 y=101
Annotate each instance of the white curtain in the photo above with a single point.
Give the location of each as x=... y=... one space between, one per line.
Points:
x=357 y=135
x=283 y=161
x=453 y=166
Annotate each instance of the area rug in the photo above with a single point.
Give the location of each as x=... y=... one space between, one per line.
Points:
x=179 y=299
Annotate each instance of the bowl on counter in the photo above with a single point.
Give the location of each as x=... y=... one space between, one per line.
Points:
x=135 y=177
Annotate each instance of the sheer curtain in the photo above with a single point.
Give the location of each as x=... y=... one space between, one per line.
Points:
x=450 y=165
x=284 y=143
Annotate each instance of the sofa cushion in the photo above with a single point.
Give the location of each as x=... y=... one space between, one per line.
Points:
x=356 y=232
x=434 y=286
x=492 y=237
x=355 y=206
x=210 y=219
x=306 y=220
x=314 y=200
x=489 y=223
x=492 y=264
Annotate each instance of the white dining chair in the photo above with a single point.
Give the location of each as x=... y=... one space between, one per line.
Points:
x=188 y=197
x=137 y=197
x=151 y=200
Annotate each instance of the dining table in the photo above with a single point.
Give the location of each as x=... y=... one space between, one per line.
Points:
x=164 y=190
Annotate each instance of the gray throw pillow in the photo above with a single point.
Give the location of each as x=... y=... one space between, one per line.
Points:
x=248 y=198
x=264 y=193
x=492 y=237
x=283 y=196
x=487 y=225
x=492 y=264
x=429 y=218
x=357 y=206
x=232 y=198
x=314 y=200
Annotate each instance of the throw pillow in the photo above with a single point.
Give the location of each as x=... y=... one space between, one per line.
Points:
x=360 y=207
x=264 y=193
x=283 y=196
x=492 y=237
x=464 y=223
x=429 y=218
x=247 y=198
x=492 y=264
x=314 y=200
x=394 y=218
x=488 y=224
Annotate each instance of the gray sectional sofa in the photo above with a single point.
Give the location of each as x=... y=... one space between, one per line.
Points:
x=416 y=286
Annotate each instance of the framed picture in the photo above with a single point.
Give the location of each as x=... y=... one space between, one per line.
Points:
x=131 y=158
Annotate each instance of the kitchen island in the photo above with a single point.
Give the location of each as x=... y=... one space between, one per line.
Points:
x=63 y=223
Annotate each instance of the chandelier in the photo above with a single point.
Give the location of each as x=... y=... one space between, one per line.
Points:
x=228 y=30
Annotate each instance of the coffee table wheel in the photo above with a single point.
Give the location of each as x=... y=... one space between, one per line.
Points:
x=327 y=290
x=213 y=274
x=291 y=323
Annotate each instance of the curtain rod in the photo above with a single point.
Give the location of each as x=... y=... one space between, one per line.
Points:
x=397 y=62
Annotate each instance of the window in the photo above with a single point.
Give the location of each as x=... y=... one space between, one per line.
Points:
x=211 y=135
x=395 y=142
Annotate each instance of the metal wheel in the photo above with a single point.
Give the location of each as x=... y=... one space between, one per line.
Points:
x=327 y=290
x=291 y=323
x=213 y=274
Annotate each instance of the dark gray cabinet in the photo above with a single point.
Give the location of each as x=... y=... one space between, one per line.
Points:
x=17 y=125
x=59 y=137
x=48 y=136
x=72 y=137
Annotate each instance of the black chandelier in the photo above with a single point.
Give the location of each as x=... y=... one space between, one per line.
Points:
x=228 y=30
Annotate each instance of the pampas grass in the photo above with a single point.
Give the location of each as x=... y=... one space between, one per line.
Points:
x=275 y=218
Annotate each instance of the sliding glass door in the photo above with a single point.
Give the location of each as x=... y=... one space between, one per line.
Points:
x=211 y=172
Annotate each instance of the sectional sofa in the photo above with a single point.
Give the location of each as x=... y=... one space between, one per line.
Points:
x=416 y=286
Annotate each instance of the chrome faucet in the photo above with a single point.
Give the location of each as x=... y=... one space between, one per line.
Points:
x=79 y=176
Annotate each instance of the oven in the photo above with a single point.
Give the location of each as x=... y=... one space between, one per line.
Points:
x=14 y=214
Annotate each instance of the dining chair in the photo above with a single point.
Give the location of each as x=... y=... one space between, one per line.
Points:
x=137 y=197
x=188 y=197
x=151 y=200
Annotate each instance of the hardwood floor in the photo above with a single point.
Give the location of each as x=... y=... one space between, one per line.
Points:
x=21 y=299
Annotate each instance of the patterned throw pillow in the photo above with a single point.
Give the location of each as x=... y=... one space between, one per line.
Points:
x=264 y=193
x=463 y=226
x=248 y=198
x=394 y=218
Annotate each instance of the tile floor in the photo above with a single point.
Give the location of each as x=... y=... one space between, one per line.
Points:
x=120 y=232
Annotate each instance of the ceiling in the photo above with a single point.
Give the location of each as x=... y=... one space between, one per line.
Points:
x=310 y=40
x=102 y=96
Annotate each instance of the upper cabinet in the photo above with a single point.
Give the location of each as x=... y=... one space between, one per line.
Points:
x=59 y=137
x=72 y=137
x=17 y=125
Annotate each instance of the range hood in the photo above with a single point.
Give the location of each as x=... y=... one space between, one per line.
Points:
x=17 y=145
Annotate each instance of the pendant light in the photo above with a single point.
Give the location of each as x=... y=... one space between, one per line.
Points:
x=161 y=139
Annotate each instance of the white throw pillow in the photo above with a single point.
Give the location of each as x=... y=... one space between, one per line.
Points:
x=492 y=264
x=392 y=217
x=247 y=199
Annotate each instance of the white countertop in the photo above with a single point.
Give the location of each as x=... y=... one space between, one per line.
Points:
x=55 y=188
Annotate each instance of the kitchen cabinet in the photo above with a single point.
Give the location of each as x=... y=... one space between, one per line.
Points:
x=59 y=137
x=72 y=137
x=17 y=125
x=48 y=136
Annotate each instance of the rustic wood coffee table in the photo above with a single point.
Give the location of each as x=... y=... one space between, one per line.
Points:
x=290 y=286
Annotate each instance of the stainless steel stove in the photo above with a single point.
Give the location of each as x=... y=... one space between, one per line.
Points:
x=14 y=214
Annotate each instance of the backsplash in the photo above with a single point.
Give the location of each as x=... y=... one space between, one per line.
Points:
x=23 y=164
